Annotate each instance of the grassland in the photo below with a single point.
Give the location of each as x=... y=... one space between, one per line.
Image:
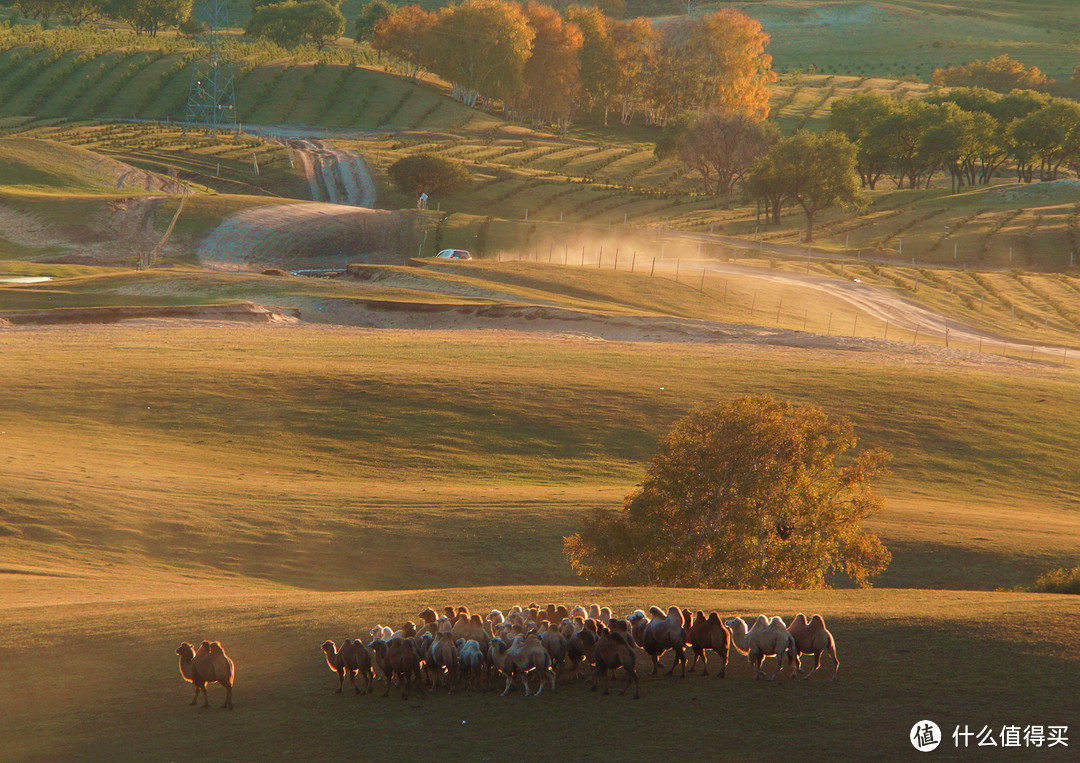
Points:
x=272 y=487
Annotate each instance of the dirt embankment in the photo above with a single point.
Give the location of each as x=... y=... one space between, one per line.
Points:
x=236 y=313
x=295 y=236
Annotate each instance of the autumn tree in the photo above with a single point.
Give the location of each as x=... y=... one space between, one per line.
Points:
x=597 y=64
x=552 y=71
x=1000 y=74
x=753 y=493
x=428 y=173
x=481 y=47
x=720 y=146
x=634 y=51
x=715 y=61
x=405 y=35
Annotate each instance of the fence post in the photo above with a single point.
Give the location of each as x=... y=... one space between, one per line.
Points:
x=916 y=339
x=855 y=326
x=779 y=307
x=653 y=268
x=702 y=286
x=616 y=259
x=677 y=262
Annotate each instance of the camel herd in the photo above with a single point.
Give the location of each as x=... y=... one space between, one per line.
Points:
x=461 y=650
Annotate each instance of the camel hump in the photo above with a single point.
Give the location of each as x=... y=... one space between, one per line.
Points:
x=216 y=648
x=817 y=620
x=714 y=618
x=675 y=616
x=656 y=613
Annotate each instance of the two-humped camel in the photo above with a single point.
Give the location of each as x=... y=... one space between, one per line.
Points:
x=208 y=665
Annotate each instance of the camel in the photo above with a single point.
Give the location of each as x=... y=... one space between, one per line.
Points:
x=351 y=659
x=768 y=638
x=665 y=632
x=638 y=622
x=709 y=633
x=812 y=638
x=554 y=642
x=523 y=656
x=209 y=665
x=398 y=657
x=442 y=655
x=615 y=649
x=581 y=646
x=472 y=663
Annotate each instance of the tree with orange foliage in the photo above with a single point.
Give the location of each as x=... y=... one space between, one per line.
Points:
x=1000 y=74
x=552 y=72
x=404 y=35
x=752 y=493
x=716 y=61
x=728 y=48
x=596 y=56
x=634 y=45
x=481 y=47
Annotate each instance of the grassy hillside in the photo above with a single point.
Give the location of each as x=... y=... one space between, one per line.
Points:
x=331 y=440
x=848 y=38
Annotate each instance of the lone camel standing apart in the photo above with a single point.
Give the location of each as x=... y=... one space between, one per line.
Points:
x=209 y=665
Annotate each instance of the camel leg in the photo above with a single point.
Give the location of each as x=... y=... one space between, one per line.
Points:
x=228 y=697
x=655 y=664
x=195 y=699
x=551 y=678
x=779 y=666
x=755 y=661
x=723 y=660
x=509 y=680
x=832 y=653
x=680 y=657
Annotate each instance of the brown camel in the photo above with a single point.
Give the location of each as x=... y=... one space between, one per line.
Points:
x=614 y=650
x=351 y=659
x=709 y=633
x=812 y=638
x=398 y=657
x=209 y=665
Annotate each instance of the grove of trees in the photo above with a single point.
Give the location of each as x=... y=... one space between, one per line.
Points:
x=965 y=132
x=541 y=64
x=289 y=23
x=752 y=493
x=144 y=16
